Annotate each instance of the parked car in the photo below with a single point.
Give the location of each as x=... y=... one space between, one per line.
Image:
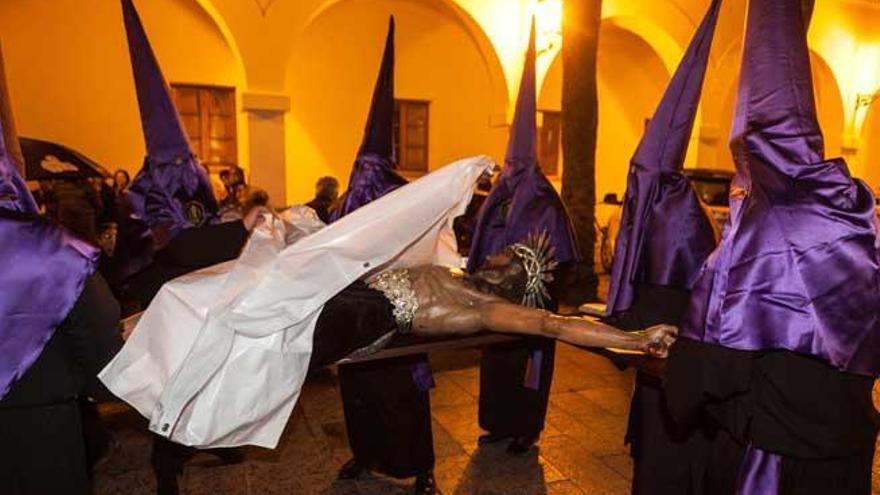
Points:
x=712 y=187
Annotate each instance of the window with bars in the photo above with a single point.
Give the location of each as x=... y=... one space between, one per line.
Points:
x=549 y=142
x=208 y=115
x=411 y=118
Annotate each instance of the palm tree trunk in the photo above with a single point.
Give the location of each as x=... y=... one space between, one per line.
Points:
x=807 y=11
x=580 y=121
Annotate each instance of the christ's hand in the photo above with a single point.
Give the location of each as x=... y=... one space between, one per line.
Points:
x=657 y=340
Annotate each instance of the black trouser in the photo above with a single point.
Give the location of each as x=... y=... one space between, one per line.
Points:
x=664 y=454
x=819 y=420
x=387 y=416
x=42 y=451
x=507 y=406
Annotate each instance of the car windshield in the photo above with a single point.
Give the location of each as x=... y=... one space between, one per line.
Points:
x=713 y=192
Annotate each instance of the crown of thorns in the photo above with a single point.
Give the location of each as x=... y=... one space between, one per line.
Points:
x=537 y=256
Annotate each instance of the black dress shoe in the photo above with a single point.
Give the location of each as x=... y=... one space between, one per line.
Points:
x=490 y=438
x=522 y=444
x=425 y=484
x=350 y=470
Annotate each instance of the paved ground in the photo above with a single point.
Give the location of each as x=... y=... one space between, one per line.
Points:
x=581 y=450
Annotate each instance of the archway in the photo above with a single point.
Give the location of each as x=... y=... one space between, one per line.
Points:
x=439 y=59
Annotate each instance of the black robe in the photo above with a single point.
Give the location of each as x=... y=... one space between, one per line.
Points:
x=387 y=415
x=508 y=407
x=192 y=249
x=820 y=420
x=661 y=450
x=41 y=442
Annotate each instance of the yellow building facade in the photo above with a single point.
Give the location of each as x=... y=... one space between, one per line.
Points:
x=303 y=72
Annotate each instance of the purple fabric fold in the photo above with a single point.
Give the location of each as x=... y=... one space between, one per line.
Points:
x=665 y=234
x=522 y=201
x=371 y=178
x=533 y=370
x=797 y=267
x=43 y=271
x=423 y=376
x=759 y=473
x=172 y=190
x=134 y=238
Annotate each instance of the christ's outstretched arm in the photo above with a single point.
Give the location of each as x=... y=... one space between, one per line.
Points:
x=448 y=306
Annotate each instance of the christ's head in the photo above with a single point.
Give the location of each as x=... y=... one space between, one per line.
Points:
x=520 y=272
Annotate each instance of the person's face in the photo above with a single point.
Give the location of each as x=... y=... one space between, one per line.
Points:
x=226 y=179
x=121 y=180
x=241 y=193
x=484 y=183
x=328 y=191
x=499 y=271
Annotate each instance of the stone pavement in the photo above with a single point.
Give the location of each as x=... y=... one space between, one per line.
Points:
x=581 y=451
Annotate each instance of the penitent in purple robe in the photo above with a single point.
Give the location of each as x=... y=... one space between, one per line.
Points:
x=172 y=191
x=797 y=267
x=522 y=201
x=665 y=235
x=386 y=404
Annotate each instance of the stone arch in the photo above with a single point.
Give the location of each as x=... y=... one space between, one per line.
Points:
x=474 y=31
x=211 y=11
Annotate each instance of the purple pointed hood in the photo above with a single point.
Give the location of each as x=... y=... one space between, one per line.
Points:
x=377 y=133
x=665 y=235
x=373 y=174
x=43 y=269
x=172 y=191
x=522 y=201
x=797 y=267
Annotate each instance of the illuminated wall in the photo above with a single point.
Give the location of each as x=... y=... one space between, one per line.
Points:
x=305 y=69
x=70 y=77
